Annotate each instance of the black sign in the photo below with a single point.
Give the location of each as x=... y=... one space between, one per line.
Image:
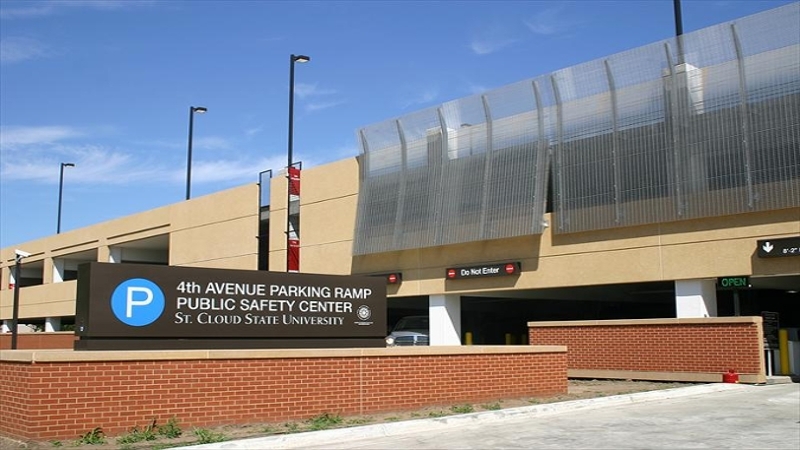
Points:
x=733 y=282
x=489 y=270
x=774 y=248
x=770 y=326
x=147 y=301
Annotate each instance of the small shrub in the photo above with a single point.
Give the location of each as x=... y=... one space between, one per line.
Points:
x=148 y=433
x=57 y=443
x=205 y=436
x=359 y=421
x=93 y=437
x=324 y=421
x=462 y=409
x=492 y=406
x=170 y=429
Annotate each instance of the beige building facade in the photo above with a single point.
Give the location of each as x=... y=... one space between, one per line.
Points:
x=669 y=268
x=623 y=188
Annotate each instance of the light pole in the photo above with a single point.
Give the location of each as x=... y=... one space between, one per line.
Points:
x=676 y=7
x=60 y=193
x=290 y=162
x=192 y=110
x=18 y=255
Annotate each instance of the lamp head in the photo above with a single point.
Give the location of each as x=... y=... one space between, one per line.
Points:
x=301 y=58
x=199 y=109
x=67 y=164
x=21 y=254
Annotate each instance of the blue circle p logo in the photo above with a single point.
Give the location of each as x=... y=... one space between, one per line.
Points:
x=137 y=302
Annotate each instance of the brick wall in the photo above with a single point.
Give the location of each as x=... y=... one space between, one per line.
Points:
x=666 y=349
x=61 y=400
x=37 y=341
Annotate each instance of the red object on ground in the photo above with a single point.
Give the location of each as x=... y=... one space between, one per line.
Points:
x=730 y=377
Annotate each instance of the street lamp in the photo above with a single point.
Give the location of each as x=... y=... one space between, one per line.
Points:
x=60 y=193
x=293 y=59
x=290 y=162
x=676 y=7
x=192 y=110
x=18 y=255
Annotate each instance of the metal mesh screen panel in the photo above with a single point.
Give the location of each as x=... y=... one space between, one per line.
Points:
x=663 y=132
x=709 y=131
x=473 y=169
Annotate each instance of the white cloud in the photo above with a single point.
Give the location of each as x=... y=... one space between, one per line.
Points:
x=254 y=131
x=26 y=12
x=16 y=49
x=94 y=164
x=211 y=143
x=422 y=98
x=11 y=136
x=303 y=90
x=48 y=8
x=311 y=107
x=550 y=21
x=228 y=171
x=477 y=88
x=485 y=46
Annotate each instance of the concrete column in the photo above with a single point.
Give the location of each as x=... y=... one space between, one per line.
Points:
x=5 y=277
x=696 y=298
x=58 y=270
x=52 y=324
x=47 y=271
x=115 y=254
x=445 y=319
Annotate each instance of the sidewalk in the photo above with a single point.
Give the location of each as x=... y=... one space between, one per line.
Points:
x=410 y=432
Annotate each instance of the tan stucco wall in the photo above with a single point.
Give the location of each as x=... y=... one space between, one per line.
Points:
x=217 y=230
x=328 y=201
x=220 y=230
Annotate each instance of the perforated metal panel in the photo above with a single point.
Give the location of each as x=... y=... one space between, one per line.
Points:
x=472 y=169
x=663 y=132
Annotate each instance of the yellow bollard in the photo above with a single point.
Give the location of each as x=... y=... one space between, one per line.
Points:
x=468 y=338
x=783 y=349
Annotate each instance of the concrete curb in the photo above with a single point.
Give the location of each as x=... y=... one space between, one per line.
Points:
x=300 y=440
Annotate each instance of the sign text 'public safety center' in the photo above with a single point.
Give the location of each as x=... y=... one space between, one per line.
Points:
x=128 y=306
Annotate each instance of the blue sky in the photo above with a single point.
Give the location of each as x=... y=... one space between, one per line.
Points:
x=107 y=85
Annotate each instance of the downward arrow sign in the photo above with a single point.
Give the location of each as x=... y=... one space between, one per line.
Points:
x=767 y=247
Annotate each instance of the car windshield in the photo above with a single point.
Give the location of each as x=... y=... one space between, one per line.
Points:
x=418 y=324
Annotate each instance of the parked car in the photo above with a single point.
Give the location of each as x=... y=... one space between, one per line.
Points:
x=410 y=330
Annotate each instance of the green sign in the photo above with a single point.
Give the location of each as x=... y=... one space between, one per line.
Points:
x=733 y=282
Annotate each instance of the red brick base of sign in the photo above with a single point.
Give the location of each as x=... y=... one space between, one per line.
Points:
x=697 y=350
x=60 y=394
x=38 y=341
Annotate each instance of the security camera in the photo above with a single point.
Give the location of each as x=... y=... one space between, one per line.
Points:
x=21 y=253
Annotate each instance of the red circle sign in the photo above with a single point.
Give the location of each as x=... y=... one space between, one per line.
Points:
x=510 y=268
x=451 y=273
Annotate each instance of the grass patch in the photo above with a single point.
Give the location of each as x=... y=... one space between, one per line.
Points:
x=462 y=409
x=324 y=421
x=205 y=436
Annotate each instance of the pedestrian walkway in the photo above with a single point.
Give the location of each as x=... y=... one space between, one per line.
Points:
x=701 y=416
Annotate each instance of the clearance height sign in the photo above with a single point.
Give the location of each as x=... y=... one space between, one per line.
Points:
x=126 y=306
